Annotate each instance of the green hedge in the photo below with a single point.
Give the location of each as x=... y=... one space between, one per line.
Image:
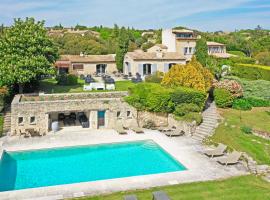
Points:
x=155 y=98
x=248 y=103
x=185 y=108
x=253 y=72
x=223 y=98
x=188 y=95
x=237 y=53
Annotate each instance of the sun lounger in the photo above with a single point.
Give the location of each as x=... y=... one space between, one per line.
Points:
x=136 y=128
x=160 y=195
x=219 y=151
x=175 y=132
x=119 y=128
x=130 y=197
x=232 y=158
x=166 y=129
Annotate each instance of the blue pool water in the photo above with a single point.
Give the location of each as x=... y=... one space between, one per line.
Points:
x=31 y=169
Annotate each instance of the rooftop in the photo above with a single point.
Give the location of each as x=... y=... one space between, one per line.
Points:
x=88 y=58
x=215 y=44
x=154 y=56
x=182 y=31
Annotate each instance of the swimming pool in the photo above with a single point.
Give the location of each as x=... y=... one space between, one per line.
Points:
x=49 y=167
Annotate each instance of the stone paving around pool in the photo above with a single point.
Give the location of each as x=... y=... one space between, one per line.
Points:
x=186 y=150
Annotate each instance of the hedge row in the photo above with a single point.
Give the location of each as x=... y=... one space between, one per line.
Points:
x=155 y=98
x=251 y=71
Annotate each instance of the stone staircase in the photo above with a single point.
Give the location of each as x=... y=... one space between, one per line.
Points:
x=7 y=120
x=209 y=124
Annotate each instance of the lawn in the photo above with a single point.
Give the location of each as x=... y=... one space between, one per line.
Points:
x=238 y=188
x=50 y=86
x=229 y=132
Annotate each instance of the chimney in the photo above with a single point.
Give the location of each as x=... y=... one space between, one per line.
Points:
x=159 y=53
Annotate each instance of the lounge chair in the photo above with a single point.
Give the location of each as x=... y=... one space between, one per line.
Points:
x=166 y=129
x=130 y=197
x=136 y=128
x=218 y=151
x=160 y=195
x=232 y=158
x=119 y=128
x=175 y=132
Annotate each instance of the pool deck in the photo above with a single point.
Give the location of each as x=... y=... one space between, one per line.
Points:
x=184 y=149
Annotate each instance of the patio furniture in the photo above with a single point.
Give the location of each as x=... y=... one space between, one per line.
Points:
x=119 y=128
x=130 y=197
x=174 y=133
x=136 y=128
x=32 y=132
x=61 y=116
x=160 y=195
x=218 y=151
x=231 y=159
x=166 y=129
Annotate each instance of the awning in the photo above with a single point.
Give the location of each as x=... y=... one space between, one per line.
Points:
x=62 y=64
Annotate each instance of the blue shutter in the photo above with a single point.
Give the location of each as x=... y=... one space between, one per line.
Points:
x=140 y=69
x=166 y=67
x=153 y=68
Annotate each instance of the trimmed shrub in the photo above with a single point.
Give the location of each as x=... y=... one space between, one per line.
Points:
x=185 y=108
x=188 y=95
x=246 y=129
x=151 y=97
x=253 y=72
x=237 y=53
x=241 y=104
x=256 y=102
x=155 y=77
x=72 y=79
x=223 y=98
x=244 y=60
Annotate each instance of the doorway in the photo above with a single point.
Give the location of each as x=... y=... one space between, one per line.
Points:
x=101 y=119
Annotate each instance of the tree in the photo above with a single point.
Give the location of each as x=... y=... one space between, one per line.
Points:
x=122 y=48
x=202 y=51
x=26 y=52
x=192 y=75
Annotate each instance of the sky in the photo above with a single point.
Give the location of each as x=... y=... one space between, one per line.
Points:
x=205 y=15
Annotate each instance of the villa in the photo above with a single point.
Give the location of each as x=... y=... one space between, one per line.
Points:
x=87 y=64
x=181 y=41
x=184 y=41
x=156 y=59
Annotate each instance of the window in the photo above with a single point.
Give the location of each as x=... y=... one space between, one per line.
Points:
x=190 y=50
x=118 y=114
x=171 y=65
x=20 y=120
x=147 y=69
x=77 y=66
x=185 y=50
x=32 y=120
x=128 y=114
x=101 y=68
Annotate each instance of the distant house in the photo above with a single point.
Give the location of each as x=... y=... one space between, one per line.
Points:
x=146 y=63
x=62 y=32
x=218 y=50
x=181 y=41
x=158 y=48
x=87 y=64
x=151 y=33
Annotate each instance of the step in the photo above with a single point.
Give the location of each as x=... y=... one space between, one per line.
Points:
x=198 y=137
x=204 y=132
x=206 y=128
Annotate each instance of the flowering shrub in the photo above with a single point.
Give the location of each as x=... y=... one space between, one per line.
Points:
x=232 y=86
